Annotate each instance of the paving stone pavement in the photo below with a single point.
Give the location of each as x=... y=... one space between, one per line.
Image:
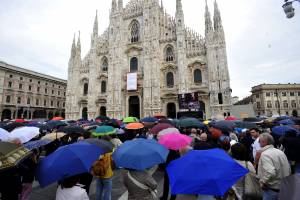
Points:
x=118 y=190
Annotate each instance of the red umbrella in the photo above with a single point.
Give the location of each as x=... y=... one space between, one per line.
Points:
x=57 y=118
x=231 y=118
x=20 y=120
x=157 y=128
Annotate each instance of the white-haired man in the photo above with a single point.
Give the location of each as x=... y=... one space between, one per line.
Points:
x=273 y=166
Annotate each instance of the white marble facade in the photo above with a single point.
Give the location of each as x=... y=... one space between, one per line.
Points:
x=169 y=58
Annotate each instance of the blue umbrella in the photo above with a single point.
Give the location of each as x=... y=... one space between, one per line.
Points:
x=36 y=144
x=149 y=120
x=67 y=161
x=207 y=172
x=281 y=130
x=140 y=154
x=286 y=122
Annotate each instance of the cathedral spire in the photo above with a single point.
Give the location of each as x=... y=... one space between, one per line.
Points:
x=120 y=5
x=73 y=49
x=79 y=46
x=95 y=29
x=208 y=22
x=178 y=7
x=161 y=4
x=113 y=6
x=217 y=17
x=179 y=14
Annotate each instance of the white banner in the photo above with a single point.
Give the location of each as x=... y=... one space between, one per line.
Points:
x=131 y=81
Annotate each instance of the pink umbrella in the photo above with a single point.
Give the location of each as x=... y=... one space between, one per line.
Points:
x=231 y=118
x=174 y=141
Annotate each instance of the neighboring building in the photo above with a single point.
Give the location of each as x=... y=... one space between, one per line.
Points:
x=28 y=94
x=165 y=57
x=276 y=99
x=242 y=111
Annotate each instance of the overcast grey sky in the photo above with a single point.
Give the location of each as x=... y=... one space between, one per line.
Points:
x=263 y=46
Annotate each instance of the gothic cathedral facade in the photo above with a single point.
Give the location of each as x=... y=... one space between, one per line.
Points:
x=167 y=57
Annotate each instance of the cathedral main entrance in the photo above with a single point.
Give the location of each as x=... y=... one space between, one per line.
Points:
x=171 y=110
x=134 y=106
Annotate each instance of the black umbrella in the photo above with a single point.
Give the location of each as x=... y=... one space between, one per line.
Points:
x=102 y=118
x=224 y=126
x=11 y=126
x=72 y=129
x=56 y=124
x=106 y=146
x=247 y=125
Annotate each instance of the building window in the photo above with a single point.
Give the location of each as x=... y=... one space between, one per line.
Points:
x=58 y=93
x=38 y=89
x=45 y=102
x=64 y=93
x=85 y=89
x=9 y=84
x=283 y=94
x=10 y=76
x=277 y=104
x=37 y=102
x=285 y=104
x=293 y=104
x=135 y=32
x=29 y=87
x=292 y=94
x=169 y=54
x=57 y=104
x=104 y=65
x=19 y=100
x=46 y=83
x=46 y=91
x=28 y=101
x=39 y=82
x=52 y=91
x=269 y=104
x=258 y=105
x=103 y=87
x=7 y=99
x=53 y=85
x=220 y=98
x=170 y=80
x=51 y=103
x=268 y=94
x=21 y=78
x=64 y=104
x=30 y=80
x=197 y=76
x=257 y=95
x=133 y=64
x=59 y=86
x=20 y=86
x=299 y=94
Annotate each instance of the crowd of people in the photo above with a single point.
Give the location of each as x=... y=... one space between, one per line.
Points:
x=269 y=157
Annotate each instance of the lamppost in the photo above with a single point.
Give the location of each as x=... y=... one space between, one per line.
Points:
x=276 y=93
x=288 y=8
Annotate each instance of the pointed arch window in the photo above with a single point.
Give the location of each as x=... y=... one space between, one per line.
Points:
x=220 y=98
x=133 y=64
x=103 y=87
x=169 y=54
x=170 y=80
x=104 y=66
x=135 y=32
x=197 y=76
x=85 y=89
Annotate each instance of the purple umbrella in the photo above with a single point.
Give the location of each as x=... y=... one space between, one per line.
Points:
x=161 y=126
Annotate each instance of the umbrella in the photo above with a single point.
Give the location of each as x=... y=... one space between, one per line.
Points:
x=140 y=154
x=207 y=172
x=149 y=120
x=247 y=125
x=224 y=126
x=231 y=118
x=11 y=126
x=290 y=188
x=67 y=161
x=34 y=124
x=53 y=136
x=104 y=130
x=161 y=126
x=166 y=121
x=57 y=118
x=4 y=135
x=160 y=116
x=25 y=134
x=11 y=155
x=167 y=131
x=36 y=144
x=20 y=120
x=114 y=123
x=281 y=130
x=174 y=141
x=72 y=129
x=253 y=119
x=56 y=124
x=106 y=146
x=286 y=122
x=102 y=118
x=190 y=123
x=134 y=126
x=130 y=119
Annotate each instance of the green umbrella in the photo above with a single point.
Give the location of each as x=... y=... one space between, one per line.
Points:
x=190 y=123
x=104 y=130
x=130 y=119
x=11 y=155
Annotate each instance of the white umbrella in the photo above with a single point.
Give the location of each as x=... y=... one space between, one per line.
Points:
x=4 y=135
x=167 y=131
x=25 y=134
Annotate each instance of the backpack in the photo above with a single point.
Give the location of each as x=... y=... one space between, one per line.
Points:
x=100 y=167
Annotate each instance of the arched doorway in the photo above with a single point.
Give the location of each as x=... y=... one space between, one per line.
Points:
x=134 y=106
x=19 y=113
x=39 y=114
x=25 y=114
x=84 y=113
x=171 y=110
x=63 y=115
x=103 y=111
x=6 y=114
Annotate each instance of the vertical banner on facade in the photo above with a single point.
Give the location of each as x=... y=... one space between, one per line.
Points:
x=131 y=81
